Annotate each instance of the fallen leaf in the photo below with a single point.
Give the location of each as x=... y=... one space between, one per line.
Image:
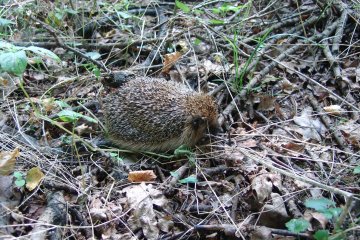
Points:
x=266 y=103
x=142 y=176
x=311 y=128
x=263 y=185
x=7 y=161
x=33 y=178
x=141 y=199
x=169 y=60
x=334 y=109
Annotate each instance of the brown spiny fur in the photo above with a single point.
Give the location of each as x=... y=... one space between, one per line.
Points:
x=157 y=115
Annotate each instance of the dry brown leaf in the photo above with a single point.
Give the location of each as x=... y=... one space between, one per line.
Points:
x=295 y=149
x=169 y=60
x=249 y=143
x=141 y=199
x=334 y=109
x=317 y=220
x=266 y=103
x=142 y=176
x=7 y=161
x=82 y=129
x=263 y=184
x=310 y=128
x=33 y=178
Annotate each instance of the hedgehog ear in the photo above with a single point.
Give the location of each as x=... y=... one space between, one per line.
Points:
x=197 y=121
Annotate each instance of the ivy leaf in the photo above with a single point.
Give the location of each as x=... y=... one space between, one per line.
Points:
x=5 y=22
x=174 y=174
x=62 y=104
x=93 y=55
x=335 y=212
x=71 y=116
x=42 y=52
x=357 y=170
x=19 y=182
x=18 y=175
x=320 y=204
x=6 y=45
x=191 y=179
x=13 y=62
x=297 y=225
x=182 y=6
x=321 y=235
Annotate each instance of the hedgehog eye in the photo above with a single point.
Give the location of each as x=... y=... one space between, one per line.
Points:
x=198 y=121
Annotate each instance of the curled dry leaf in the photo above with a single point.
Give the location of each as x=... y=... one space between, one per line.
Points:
x=141 y=200
x=33 y=178
x=334 y=109
x=294 y=149
x=275 y=214
x=263 y=184
x=7 y=161
x=142 y=176
x=169 y=60
x=317 y=220
x=310 y=128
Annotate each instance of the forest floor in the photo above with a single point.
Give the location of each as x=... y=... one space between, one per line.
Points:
x=286 y=78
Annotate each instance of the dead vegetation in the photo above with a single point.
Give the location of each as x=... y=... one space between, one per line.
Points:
x=285 y=75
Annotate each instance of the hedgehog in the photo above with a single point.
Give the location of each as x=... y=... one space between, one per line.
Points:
x=152 y=114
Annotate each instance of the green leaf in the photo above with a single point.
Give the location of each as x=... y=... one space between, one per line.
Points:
x=357 y=170
x=297 y=225
x=89 y=119
x=182 y=6
x=198 y=12
x=217 y=22
x=18 y=175
x=319 y=204
x=70 y=11
x=183 y=150
x=93 y=55
x=71 y=116
x=335 y=212
x=13 y=62
x=42 y=52
x=327 y=214
x=174 y=174
x=66 y=139
x=191 y=179
x=6 y=45
x=96 y=72
x=124 y=15
x=321 y=235
x=19 y=182
x=116 y=157
x=197 y=41
x=62 y=104
x=5 y=22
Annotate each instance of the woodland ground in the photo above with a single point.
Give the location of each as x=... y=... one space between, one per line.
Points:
x=286 y=77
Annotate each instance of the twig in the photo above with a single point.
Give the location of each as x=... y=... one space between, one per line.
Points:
x=61 y=44
x=327 y=122
x=267 y=163
x=269 y=67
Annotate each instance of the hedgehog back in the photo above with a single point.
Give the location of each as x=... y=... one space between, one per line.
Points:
x=147 y=114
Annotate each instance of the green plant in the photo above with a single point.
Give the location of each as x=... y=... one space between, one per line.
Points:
x=185 y=151
x=321 y=205
x=237 y=83
x=14 y=59
x=20 y=180
x=226 y=8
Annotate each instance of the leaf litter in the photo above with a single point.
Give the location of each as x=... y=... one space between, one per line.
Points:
x=278 y=147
